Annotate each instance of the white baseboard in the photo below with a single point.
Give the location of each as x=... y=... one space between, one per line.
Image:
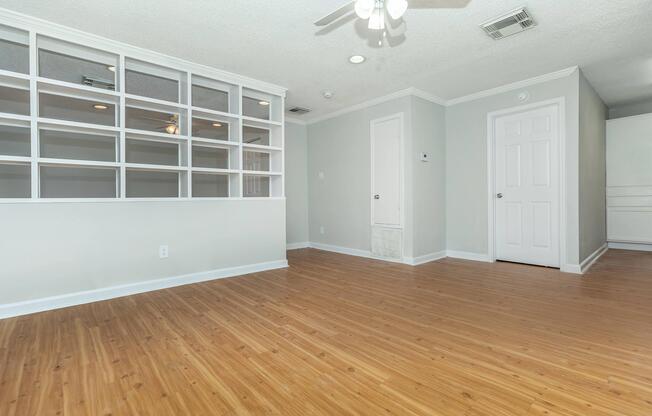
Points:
x=9 y=310
x=352 y=252
x=342 y=250
x=464 y=255
x=427 y=258
x=571 y=268
x=592 y=258
x=296 y=246
x=630 y=246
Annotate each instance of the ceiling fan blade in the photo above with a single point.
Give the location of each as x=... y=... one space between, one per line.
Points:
x=326 y=20
x=438 y=4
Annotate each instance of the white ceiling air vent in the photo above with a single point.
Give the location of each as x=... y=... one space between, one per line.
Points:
x=299 y=110
x=509 y=24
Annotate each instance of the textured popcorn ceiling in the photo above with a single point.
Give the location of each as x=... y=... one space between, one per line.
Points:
x=444 y=53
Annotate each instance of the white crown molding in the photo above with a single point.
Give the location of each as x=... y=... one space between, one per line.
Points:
x=45 y=27
x=9 y=310
x=514 y=85
x=295 y=121
x=427 y=96
x=407 y=92
x=412 y=91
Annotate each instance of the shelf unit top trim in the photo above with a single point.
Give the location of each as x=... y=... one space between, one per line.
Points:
x=65 y=33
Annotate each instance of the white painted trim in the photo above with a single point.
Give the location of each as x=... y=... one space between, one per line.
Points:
x=295 y=121
x=630 y=246
x=514 y=86
x=464 y=255
x=296 y=246
x=379 y=100
x=571 y=268
x=372 y=123
x=351 y=252
x=427 y=258
x=593 y=257
x=428 y=96
x=491 y=188
x=8 y=310
x=412 y=91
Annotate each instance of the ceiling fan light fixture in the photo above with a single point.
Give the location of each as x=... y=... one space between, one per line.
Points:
x=396 y=8
x=171 y=129
x=377 y=20
x=364 y=8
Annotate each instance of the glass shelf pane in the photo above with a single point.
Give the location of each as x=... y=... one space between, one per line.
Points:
x=146 y=184
x=73 y=109
x=211 y=129
x=14 y=100
x=256 y=186
x=209 y=185
x=77 y=182
x=14 y=50
x=15 y=180
x=210 y=157
x=255 y=135
x=155 y=121
x=153 y=81
x=56 y=144
x=15 y=141
x=152 y=153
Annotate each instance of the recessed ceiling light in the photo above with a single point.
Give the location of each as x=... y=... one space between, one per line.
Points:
x=111 y=68
x=328 y=94
x=357 y=59
x=216 y=124
x=263 y=102
x=100 y=106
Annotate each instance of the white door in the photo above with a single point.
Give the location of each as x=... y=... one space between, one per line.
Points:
x=527 y=187
x=386 y=137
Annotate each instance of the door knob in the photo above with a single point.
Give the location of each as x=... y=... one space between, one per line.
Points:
x=499 y=195
x=376 y=196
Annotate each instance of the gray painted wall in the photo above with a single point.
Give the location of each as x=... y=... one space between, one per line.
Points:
x=52 y=248
x=296 y=182
x=340 y=202
x=428 y=205
x=466 y=167
x=341 y=148
x=592 y=170
x=631 y=109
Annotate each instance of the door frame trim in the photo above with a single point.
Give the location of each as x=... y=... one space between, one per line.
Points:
x=401 y=117
x=560 y=103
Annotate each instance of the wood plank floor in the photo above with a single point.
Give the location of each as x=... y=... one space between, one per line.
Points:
x=340 y=335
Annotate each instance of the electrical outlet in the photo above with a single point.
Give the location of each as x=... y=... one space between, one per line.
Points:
x=322 y=230
x=163 y=252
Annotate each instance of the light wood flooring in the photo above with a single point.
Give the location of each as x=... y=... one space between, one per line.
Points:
x=340 y=335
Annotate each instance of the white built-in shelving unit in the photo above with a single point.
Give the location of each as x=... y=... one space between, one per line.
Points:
x=85 y=118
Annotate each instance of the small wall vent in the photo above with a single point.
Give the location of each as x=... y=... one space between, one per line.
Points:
x=509 y=24
x=299 y=110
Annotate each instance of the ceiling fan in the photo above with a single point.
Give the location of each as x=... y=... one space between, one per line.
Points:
x=377 y=12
